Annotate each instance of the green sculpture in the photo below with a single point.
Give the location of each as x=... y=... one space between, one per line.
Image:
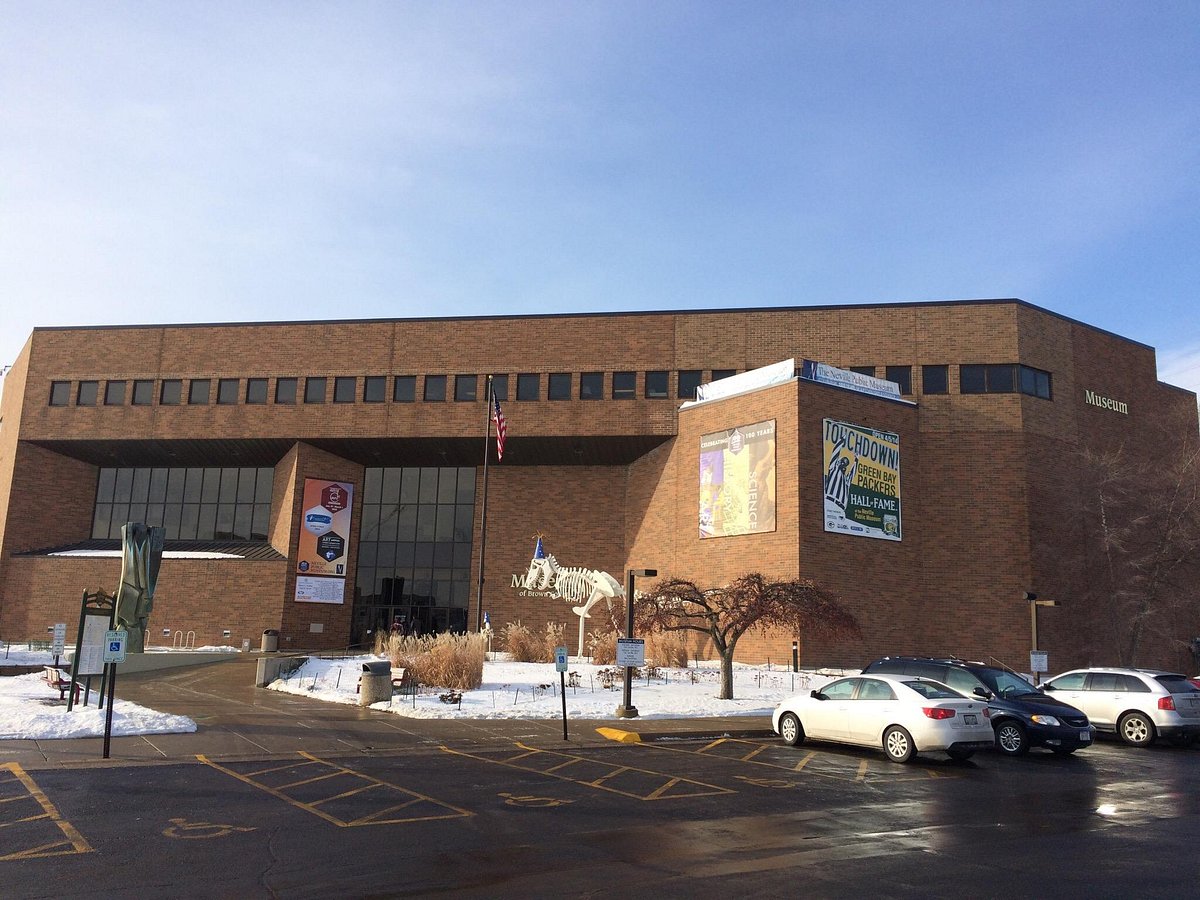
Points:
x=141 y=558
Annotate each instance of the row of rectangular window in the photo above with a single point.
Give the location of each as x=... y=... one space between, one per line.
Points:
x=467 y=388
x=935 y=379
x=1004 y=378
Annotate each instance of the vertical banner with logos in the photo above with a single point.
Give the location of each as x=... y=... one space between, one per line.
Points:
x=737 y=480
x=324 y=541
x=862 y=481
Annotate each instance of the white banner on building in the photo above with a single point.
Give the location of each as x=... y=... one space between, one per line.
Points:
x=311 y=589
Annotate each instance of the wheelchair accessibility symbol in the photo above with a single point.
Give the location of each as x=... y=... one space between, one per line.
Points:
x=531 y=801
x=182 y=828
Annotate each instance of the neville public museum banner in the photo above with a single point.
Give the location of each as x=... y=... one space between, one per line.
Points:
x=737 y=481
x=862 y=481
x=324 y=541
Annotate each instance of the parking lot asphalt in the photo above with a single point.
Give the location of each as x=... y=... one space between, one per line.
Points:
x=277 y=795
x=236 y=720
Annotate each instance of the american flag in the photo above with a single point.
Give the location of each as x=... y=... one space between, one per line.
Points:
x=501 y=428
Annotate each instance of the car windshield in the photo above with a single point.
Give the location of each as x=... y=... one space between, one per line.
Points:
x=933 y=690
x=1004 y=684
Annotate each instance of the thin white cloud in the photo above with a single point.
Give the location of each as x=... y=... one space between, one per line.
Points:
x=1180 y=366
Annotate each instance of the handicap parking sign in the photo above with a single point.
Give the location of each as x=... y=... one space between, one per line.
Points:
x=114 y=646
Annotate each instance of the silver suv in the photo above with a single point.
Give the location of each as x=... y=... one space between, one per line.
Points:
x=1140 y=705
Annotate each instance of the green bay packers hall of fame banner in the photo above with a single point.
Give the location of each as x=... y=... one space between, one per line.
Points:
x=737 y=481
x=862 y=481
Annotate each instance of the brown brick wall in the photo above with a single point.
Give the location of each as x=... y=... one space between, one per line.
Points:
x=580 y=511
x=990 y=487
x=204 y=596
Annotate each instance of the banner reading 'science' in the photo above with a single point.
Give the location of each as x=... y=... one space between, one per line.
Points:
x=737 y=480
x=862 y=481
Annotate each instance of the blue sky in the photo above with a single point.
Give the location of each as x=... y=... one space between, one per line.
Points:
x=171 y=162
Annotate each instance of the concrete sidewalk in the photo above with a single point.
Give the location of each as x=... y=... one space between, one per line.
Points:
x=236 y=720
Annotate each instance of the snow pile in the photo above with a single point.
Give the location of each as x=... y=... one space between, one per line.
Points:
x=531 y=691
x=31 y=709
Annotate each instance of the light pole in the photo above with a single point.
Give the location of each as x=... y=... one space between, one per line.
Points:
x=1034 y=603
x=627 y=710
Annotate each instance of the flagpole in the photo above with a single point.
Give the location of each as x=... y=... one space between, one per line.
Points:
x=487 y=437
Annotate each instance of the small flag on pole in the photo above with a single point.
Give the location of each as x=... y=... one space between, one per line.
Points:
x=501 y=428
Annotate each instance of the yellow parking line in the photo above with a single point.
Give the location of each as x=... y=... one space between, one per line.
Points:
x=753 y=753
x=304 y=781
x=807 y=759
x=697 y=788
x=270 y=769
x=363 y=820
x=74 y=842
x=312 y=806
x=26 y=819
x=344 y=794
x=563 y=765
x=603 y=778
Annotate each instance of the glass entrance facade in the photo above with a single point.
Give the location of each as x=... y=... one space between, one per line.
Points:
x=414 y=550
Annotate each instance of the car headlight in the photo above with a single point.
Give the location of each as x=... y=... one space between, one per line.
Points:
x=1044 y=720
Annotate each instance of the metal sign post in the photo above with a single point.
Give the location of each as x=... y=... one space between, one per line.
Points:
x=114 y=652
x=560 y=665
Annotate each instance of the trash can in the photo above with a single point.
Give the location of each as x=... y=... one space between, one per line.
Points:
x=375 y=684
x=270 y=641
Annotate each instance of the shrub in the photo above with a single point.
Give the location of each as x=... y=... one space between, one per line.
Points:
x=667 y=648
x=552 y=637
x=522 y=644
x=453 y=661
x=402 y=649
x=446 y=660
x=602 y=647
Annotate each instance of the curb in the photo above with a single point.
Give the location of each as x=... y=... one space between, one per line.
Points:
x=639 y=737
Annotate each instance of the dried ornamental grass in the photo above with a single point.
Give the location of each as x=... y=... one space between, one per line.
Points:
x=602 y=647
x=522 y=644
x=452 y=661
x=667 y=648
x=552 y=638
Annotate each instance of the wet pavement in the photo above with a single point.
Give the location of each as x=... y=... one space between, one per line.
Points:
x=236 y=719
x=280 y=796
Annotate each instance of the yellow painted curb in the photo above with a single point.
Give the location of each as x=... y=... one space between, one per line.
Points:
x=623 y=737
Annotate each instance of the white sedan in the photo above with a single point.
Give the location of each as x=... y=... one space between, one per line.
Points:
x=903 y=715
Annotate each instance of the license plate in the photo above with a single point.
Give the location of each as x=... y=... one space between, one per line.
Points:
x=970 y=719
x=1085 y=735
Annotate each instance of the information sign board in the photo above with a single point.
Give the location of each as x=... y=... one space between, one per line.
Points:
x=631 y=652
x=1039 y=661
x=60 y=639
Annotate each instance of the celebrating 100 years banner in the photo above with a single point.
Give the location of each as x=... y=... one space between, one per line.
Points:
x=862 y=481
x=737 y=480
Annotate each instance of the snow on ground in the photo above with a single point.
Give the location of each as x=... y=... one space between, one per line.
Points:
x=30 y=708
x=531 y=691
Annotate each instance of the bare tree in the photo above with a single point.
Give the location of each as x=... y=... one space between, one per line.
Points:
x=752 y=601
x=1144 y=548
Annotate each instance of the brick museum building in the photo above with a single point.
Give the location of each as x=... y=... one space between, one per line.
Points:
x=929 y=463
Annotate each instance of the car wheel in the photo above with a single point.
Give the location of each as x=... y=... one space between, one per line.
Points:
x=1011 y=738
x=1063 y=751
x=791 y=730
x=960 y=754
x=1182 y=740
x=898 y=744
x=1136 y=730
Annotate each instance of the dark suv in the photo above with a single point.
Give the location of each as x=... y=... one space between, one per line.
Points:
x=1022 y=716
